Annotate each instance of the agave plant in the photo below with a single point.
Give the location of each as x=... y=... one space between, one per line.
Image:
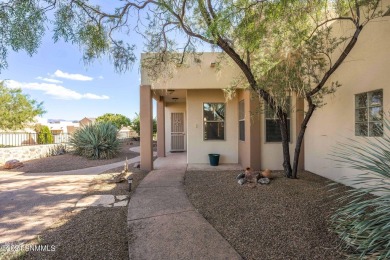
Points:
x=96 y=141
x=363 y=222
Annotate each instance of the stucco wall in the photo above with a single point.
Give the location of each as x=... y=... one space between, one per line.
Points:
x=366 y=69
x=24 y=153
x=198 y=148
x=196 y=75
x=249 y=150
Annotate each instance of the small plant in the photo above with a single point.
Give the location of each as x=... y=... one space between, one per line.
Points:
x=58 y=149
x=363 y=223
x=96 y=141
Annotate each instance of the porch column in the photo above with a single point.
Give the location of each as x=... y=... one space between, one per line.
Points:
x=299 y=119
x=161 y=127
x=146 y=127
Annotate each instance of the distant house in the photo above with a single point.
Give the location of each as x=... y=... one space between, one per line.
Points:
x=87 y=121
x=194 y=116
x=126 y=132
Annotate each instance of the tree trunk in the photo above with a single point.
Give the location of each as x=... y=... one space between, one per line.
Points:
x=298 y=144
x=285 y=143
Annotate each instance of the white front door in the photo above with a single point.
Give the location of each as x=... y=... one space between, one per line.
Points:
x=177 y=132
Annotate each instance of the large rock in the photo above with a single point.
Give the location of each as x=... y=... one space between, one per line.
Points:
x=13 y=164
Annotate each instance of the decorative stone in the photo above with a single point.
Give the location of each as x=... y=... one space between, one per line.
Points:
x=121 y=203
x=241 y=181
x=96 y=200
x=263 y=181
x=121 y=197
x=240 y=176
x=13 y=164
x=136 y=165
x=267 y=174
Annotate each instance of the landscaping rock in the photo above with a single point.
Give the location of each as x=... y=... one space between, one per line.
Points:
x=242 y=181
x=121 y=203
x=240 y=176
x=263 y=181
x=121 y=197
x=136 y=165
x=96 y=200
x=13 y=164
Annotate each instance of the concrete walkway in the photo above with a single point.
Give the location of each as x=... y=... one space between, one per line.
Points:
x=32 y=202
x=164 y=223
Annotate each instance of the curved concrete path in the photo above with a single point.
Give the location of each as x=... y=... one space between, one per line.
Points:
x=165 y=225
x=32 y=202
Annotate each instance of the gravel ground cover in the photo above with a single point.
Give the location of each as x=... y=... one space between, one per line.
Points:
x=94 y=232
x=68 y=161
x=286 y=219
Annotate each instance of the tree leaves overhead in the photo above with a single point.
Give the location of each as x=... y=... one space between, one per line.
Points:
x=116 y=119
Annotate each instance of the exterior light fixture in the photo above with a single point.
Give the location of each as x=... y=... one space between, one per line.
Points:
x=130 y=181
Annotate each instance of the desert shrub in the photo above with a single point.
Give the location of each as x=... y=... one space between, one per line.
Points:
x=58 y=149
x=96 y=141
x=44 y=135
x=363 y=223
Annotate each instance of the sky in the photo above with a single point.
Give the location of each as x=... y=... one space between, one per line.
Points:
x=69 y=89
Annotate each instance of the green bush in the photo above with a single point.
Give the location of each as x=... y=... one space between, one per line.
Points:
x=96 y=141
x=363 y=223
x=44 y=135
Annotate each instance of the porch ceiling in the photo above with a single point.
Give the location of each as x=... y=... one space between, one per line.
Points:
x=171 y=95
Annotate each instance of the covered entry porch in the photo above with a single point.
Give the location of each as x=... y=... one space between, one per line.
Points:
x=171 y=123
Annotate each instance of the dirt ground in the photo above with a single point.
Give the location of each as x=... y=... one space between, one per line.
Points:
x=68 y=161
x=286 y=219
x=94 y=232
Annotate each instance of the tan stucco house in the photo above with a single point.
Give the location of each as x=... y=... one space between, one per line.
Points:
x=194 y=116
x=87 y=121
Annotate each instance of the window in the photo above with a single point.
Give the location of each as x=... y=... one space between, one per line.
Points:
x=241 y=120
x=272 y=128
x=369 y=113
x=214 y=121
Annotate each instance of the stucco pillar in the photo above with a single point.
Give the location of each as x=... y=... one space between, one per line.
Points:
x=146 y=127
x=249 y=150
x=161 y=127
x=299 y=119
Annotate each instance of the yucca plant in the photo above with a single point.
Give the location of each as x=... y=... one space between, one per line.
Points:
x=363 y=222
x=96 y=141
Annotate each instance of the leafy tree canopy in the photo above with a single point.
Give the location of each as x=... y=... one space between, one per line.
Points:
x=117 y=119
x=136 y=124
x=17 y=109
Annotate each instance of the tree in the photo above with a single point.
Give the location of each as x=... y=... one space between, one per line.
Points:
x=260 y=37
x=116 y=119
x=44 y=134
x=17 y=109
x=136 y=125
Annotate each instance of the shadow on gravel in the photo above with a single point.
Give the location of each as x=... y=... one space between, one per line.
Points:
x=94 y=232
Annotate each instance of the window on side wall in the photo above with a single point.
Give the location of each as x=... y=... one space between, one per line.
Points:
x=272 y=128
x=369 y=113
x=214 y=121
x=241 y=120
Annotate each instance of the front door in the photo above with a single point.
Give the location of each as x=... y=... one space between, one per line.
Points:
x=177 y=132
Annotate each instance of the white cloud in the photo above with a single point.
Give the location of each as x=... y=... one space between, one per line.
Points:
x=101 y=77
x=65 y=75
x=56 y=91
x=49 y=80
